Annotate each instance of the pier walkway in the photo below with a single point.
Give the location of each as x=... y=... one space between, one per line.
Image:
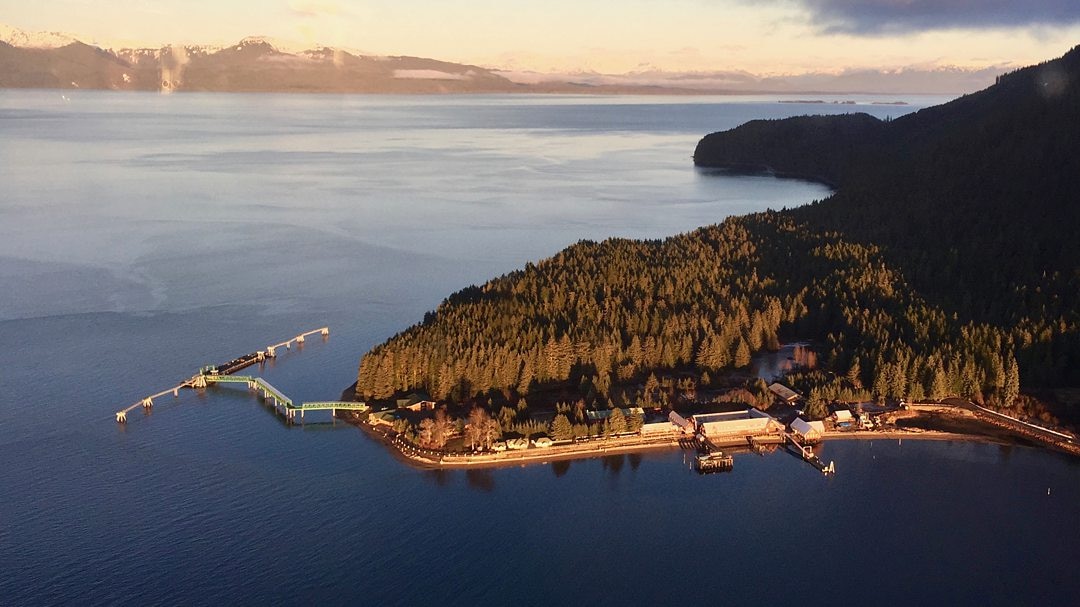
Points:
x=146 y=403
x=253 y=383
x=223 y=374
x=283 y=404
x=271 y=351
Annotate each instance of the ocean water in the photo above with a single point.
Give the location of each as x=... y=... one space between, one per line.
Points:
x=142 y=236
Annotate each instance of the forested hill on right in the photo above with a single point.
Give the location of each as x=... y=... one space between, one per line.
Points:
x=976 y=202
x=944 y=265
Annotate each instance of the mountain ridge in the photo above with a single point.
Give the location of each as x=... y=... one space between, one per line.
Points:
x=346 y=71
x=956 y=174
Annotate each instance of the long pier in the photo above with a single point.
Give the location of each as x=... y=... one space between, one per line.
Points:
x=223 y=373
x=271 y=351
x=146 y=403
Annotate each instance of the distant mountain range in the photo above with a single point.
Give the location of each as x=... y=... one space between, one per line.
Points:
x=258 y=64
x=253 y=65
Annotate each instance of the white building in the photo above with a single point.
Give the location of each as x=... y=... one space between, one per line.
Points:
x=516 y=444
x=808 y=431
x=659 y=429
x=736 y=424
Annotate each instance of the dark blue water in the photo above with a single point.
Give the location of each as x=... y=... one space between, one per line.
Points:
x=142 y=236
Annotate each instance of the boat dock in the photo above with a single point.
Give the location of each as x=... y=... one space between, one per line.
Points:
x=223 y=374
x=808 y=455
x=714 y=462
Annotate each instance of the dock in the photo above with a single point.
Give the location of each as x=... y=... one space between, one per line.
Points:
x=808 y=455
x=224 y=374
x=714 y=462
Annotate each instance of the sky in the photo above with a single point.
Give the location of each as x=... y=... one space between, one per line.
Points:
x=764 y=37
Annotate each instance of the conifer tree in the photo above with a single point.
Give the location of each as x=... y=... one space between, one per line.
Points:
x=561 y=428
x=617 y=421
x=742 y=354
x=1012 y=381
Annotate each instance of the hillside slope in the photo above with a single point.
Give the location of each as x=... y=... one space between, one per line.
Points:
x=975 y=200
x=944 y=265
x=252 y=65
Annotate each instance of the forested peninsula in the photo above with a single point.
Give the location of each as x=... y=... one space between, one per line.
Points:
x=945 y=264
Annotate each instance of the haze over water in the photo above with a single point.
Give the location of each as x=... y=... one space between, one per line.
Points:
x=142 y=236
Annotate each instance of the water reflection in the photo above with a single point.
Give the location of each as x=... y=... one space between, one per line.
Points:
x=772 y=365
x=560 y=467
x=440 y=476
x=613 y=463
x=480 y=478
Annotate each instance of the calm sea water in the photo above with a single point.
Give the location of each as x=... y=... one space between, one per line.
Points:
x=142 y=236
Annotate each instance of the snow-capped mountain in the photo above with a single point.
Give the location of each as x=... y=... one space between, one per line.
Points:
x=264 y=64
x=24 y=39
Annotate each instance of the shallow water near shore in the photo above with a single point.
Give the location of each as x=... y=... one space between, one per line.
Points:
x=142 y=236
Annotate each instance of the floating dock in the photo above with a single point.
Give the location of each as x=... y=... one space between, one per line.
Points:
x=714 y=462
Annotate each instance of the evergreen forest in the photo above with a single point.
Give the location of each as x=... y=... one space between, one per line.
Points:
x=945 y=264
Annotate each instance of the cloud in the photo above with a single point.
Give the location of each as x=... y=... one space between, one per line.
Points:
x=432 y=75
x=881 y=17
x=316 y=8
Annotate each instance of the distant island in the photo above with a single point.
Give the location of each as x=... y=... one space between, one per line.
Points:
x=845 y=102
x=942 y=272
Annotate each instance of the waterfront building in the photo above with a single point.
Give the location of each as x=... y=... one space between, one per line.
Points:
x=660 y=428
x=681 y=422
x=416 y=402
x=810 y=432
x=842 y=417
x=736 y=424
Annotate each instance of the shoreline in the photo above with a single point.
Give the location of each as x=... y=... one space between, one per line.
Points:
x=934 y=435
x=433 y=460
x=429 y=459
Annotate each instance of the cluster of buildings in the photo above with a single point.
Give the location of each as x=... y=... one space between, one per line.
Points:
x=737 y=427
x=726 y=428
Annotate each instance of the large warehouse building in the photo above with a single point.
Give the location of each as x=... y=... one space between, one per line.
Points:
x=736 y=424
